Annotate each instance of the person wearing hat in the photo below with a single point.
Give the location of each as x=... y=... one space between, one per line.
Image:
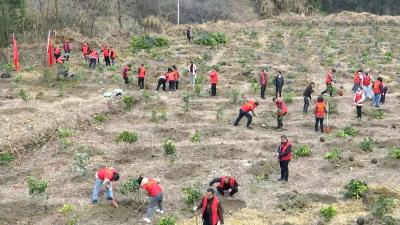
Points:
x=284 y=155
x=307 y=96
x=211 y=209
x=156 y=196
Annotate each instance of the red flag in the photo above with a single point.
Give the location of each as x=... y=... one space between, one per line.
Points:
x=50 y=59
x=16 y=63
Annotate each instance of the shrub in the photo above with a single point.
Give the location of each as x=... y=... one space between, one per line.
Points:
x=128 y=102
x=66 y=209
x=388 y=57
x=191 y=194
x=383 y=206
x=235 y=96
x=395 y=153
x=356 y=189
x=131 y=186
x=100 y=117
x=169 y=220
x=334 y=154
x=367 y=144
x=377 y=115
x=328 y=212
x=195 y=137
x=24 y=95
x=6 y=158
x=301 y=151
x=36 y=187
x=211 y=39
x=64 y=133
x=127 y=137
x=220 y=113
x=288 y=97
x=332 y=106
x=147 y=42
x=152 y=23
x=169 y=147
x=186 y=102
x=255 y=87
x=158 y=115
x=351 y=131
x=81 y=161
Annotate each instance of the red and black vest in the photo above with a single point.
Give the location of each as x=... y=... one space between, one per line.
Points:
x=214 y=209
x=283 y=151
x=222 y=182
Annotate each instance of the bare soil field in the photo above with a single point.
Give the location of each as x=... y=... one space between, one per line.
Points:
x=302 y=51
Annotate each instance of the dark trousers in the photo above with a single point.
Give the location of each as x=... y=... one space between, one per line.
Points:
x=141 y=83
x=319 y=121
x=57 y=56
x=284 y=170
x=126 y=80
x=246 y=114
x=306 y=104
x=329 y=89
x=278 y=91
x=176 y=84
x=383 y=94
x=263 y=88
x=171 y=85
x=222 y=190
x=107 y=59
x=279 y=119
x=213 y=89
x=358 y=108
x=161 y=82
x=92 y=62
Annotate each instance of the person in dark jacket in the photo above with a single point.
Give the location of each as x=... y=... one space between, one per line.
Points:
x=189 y=34
x=211 y=209
x=279 y=82
x=284 y=155
x=383 y=93
x=307 y=96
x=226 y=183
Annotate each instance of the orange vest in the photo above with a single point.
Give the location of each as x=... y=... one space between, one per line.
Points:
x=249 y=106
x=358 y=97
x=320 y=110
x=357 y=79
x=222 y=183
x=367 y=80
x=152 y=187
x=170 y=76
x=377 y=87
x=105 y=173
x=176 y=75
x=142 y=72
x=85 y=49
x=214 y=209
x=106 y=52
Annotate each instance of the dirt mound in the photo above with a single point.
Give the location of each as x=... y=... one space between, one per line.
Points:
x=263 y=169
x=295 y=200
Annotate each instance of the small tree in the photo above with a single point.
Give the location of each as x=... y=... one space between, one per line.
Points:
x=127 y=137
x=100 y=117
x=63 y=135
x=128 y=102
x=81 y=161
x=36 y=188
x=367 y=145
x=220 y=113
x=195 y=137
x=169 y=220
x=328 y=212
x=334 y=154
x=356 y=189
x=68 y=211
x=169 y=148
x=24 y=95
x=131 y=189
x=186 y=102
x=395 y=153
x=6 y=158
x=191 y=194
x=301 y=151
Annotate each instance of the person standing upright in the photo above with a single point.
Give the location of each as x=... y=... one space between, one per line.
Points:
x=263 y=82
x=192 y=69
x=359 y=98
x=279 y=82
x=113 y=56
x=67 y=49
x=319 y=113
x=141 y=75
x=213 y=80
x=176 y=74
x=284 y=155
x=86 y=51
x=377 y=89
x=106 y=54
x=211 y=209
x=367 y=83
x=307 y=96
x=358 y=80
x=189 y=34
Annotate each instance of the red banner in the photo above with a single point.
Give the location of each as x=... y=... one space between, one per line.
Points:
x=16 y=62
x=50 y=58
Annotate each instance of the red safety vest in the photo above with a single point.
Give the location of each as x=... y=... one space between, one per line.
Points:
x=67 y=47
x=176 y=75
x=357 y=79
x=106 y=52
x=57 y=51
x=214 y=209
x=125 y=71
x=152 y=187
x=263 y=78
x=59 y=60
x=283 y=150
x=329 y=78
x=94 y=55
x=222 y=183
x=284 y=109
x=320 y=110
x=85 y=49
x=214 y=77
x=358 y=97
x=377 y=87
x=170 y=76
x=249 y=106
x=367 y=80
x=105 y=173
x=113 y=54
x=142 y=72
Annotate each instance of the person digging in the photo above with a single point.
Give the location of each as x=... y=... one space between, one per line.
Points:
x=281 y=111
x=226 y=184
x=156 y=196
x=249 y=106
x=211 y=209
x=105 y=176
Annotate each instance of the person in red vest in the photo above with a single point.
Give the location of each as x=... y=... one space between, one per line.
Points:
x=67 y=49
x=226 y=183
x=106 y=54
x=141 y=75
x=263 y=82
x=214 y=80
x=85 y=51
x=94 y=57
x=367 y=85
x=113 y=55
x=57 y=52
x=281 y=111
x=60 y=60
x=211 y=209
x=125 y=73
x=359 y=98
x=329 y=81
x=156 y=196
x=171 y=80
x=319 y=113
x=358 y=80
x=249 y=106
x=377 y=89
x=176 y=76
x=284 y=155
x=105 y=176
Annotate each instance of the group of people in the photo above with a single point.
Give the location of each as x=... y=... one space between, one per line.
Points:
x=210 y=204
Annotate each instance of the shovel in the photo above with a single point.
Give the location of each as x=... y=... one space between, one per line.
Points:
x=327 y=129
